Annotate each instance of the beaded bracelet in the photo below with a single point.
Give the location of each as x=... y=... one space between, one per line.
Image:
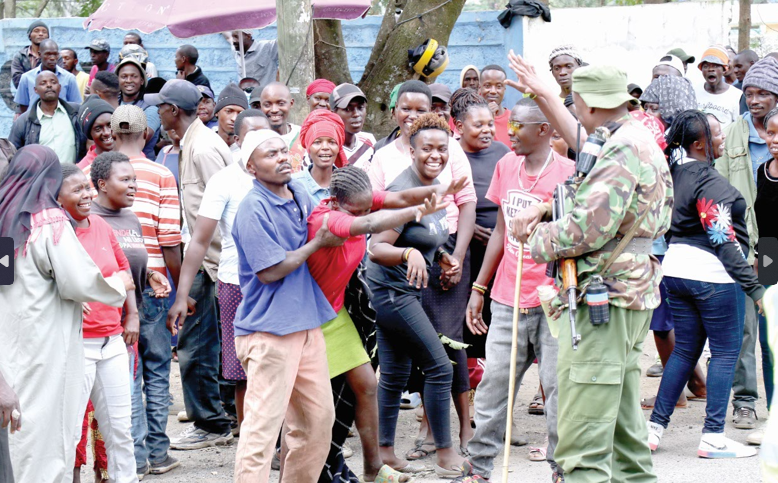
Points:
x=479 y=288
x=407 y=253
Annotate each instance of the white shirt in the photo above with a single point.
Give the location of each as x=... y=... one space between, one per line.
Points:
x=364 y=160
x=692 y=263
x=223 y=194
x=291 y=136
x=725 y=106
x=391 y=160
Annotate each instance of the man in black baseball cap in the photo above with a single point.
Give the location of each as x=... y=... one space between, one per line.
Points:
x=685 y=58
x=441 y=94
x=29 y=57
x=207 y=107
x=203 y=154
x=350 y=103
x=99 y=50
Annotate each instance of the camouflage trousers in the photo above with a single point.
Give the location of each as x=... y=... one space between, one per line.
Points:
x=602 y=430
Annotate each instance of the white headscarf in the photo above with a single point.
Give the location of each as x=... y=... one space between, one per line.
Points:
x=253 y=140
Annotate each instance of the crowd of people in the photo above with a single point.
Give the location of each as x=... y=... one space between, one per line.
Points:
x=291 y=264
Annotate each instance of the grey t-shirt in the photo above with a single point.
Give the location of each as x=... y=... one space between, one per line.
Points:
x=425 y=235
x=128 y=232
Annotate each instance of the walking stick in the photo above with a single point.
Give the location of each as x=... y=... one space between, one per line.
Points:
x=512 y=376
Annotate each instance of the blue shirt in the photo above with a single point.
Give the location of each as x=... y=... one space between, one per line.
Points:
x=311 y=186
x=757 y=147
x=25 y=94
x=265 y=228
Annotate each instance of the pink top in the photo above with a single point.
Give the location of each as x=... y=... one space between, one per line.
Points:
x=505 y=192
x=389 y=161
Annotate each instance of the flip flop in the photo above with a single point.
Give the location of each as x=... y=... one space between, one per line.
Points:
x=387 y=474
x=537 y=454
x=410 y=401
x=419 y=448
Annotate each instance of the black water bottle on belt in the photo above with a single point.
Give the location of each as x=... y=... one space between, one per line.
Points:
x=597 y=300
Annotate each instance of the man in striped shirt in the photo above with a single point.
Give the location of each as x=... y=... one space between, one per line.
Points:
x=157 y=207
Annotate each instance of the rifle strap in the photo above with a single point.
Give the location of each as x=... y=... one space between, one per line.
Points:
x=624 y=241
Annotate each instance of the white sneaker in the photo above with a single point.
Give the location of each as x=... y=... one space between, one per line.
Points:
x=716 y=445
x=654 y=434
x=347 y=451
x=755 y=438
x=183 y=417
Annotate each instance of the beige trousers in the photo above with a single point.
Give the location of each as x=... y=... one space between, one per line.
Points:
x=288 y=381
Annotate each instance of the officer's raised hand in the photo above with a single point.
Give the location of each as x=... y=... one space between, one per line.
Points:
x=526 y=221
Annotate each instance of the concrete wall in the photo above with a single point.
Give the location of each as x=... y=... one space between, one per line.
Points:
x=634 y=38
x=477 y=39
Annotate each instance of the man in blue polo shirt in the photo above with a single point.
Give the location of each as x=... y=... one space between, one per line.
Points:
x=278 y=338
x=25 y=94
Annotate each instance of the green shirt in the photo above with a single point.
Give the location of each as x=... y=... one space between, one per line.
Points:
x=57 y=133
x=629 y=177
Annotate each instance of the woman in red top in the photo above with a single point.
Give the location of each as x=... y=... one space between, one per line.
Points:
x=349 y=216
x=106 y=371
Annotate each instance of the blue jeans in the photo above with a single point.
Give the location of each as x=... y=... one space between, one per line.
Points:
x=702 y=310
x=406 y=338
x=153 y=375
x=199 y=348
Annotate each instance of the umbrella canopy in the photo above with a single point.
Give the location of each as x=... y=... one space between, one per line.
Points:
x=188 y=18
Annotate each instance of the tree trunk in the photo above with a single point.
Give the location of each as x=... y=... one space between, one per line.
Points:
x=330 y=50
x=744 y=26
x=295 y=52
x=387 y=25
x=9 y=9
x=436 y=21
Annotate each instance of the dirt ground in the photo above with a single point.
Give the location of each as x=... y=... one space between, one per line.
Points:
x=676 y=461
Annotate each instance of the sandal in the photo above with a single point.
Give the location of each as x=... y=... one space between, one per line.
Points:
x=464 y=452
x=648 y=403
x=537 y=454
x=410 y=468
x=537 y=406
x=418 y=452
x=387 y=474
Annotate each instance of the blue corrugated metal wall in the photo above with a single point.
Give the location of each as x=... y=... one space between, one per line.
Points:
x=477 y=39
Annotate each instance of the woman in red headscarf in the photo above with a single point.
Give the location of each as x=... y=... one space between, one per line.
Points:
x=318 y=94
x=322 y=135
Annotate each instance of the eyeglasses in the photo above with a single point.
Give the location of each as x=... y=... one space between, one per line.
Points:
x=515 y=126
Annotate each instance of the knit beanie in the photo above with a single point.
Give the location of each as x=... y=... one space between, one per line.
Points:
x=763 y=75
x=232 y=95
x=36 y=24
x=89 y=111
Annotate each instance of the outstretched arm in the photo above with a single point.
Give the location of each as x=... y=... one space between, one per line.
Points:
x=383 y=220
x=550 y=104
x=417 y=196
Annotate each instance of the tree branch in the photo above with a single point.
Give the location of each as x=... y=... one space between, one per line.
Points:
x=41 y=8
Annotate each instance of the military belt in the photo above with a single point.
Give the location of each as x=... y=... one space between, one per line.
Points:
x=636 y=246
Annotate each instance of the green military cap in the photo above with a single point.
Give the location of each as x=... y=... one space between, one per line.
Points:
x=393 y=95
x=601 y=86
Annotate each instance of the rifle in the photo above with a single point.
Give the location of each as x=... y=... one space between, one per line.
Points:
x=585 y=159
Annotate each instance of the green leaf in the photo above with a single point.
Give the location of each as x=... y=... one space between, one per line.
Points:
x=457 y=346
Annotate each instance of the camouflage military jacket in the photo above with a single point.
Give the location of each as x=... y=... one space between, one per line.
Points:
x=630 y=176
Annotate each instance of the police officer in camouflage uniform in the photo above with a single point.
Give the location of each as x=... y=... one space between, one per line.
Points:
x=602 y=430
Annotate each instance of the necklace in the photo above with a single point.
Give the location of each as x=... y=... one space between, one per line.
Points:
x=521 y=185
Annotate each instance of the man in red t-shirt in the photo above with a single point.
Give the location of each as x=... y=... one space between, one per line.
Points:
x=522 y=178
x=492 y=89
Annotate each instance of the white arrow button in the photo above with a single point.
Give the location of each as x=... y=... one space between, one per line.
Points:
x=4 y=261
x=767 y=260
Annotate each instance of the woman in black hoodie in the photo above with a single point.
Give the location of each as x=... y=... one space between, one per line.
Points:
x=706 y=272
